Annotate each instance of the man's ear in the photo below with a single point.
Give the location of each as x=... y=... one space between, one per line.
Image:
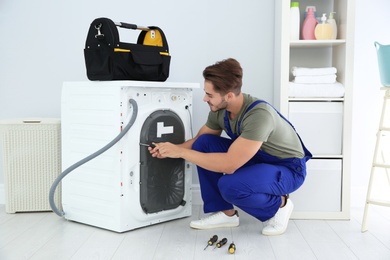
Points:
x=230 y=96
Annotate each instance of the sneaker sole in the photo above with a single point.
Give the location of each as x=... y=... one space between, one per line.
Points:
x=214 y=226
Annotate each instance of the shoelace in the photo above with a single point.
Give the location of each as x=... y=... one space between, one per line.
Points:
x=277 y=220
x=211 y=216
x=270 y=222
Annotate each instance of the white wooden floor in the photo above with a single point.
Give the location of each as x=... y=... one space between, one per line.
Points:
x=45 y=236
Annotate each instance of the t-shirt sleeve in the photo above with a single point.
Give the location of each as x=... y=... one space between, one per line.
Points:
x=212 y=121
x=257 y=125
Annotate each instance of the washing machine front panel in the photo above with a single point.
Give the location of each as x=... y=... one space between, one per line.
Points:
x=174 y=107
x=106 y=191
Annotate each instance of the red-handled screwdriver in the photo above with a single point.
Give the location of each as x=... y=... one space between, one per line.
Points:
x=211 y=241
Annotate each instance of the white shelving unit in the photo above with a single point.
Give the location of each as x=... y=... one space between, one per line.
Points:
x=321 y=121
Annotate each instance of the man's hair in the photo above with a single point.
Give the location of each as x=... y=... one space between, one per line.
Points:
x=225 y=75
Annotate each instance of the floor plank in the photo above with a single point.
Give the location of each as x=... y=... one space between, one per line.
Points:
x=324 y=242
x=18 y=224
x=65 y=242
x=292 y=245
x=45 y=236
x=364 y=245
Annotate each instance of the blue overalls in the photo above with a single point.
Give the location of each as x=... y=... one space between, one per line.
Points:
x=257 y=186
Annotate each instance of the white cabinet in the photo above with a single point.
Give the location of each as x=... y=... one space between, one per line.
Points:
x=323 y=184
x=319 y=124
x=323 y=121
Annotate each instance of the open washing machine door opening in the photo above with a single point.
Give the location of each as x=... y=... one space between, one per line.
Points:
x=162 y=183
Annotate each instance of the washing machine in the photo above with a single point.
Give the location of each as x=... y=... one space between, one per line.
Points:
x=125 y=188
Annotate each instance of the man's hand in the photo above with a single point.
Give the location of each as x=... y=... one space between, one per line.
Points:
x=165 y=150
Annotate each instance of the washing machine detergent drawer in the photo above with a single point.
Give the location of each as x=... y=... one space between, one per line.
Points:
x=125 y=187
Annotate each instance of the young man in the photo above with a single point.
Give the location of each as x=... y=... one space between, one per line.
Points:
x=254 y=170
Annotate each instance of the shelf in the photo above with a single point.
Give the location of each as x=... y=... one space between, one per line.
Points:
x=327 y=156
x=314 y=99
x=323 y=122
x=316 y=43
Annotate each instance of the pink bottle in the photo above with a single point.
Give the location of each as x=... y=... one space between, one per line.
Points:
x=309 y=25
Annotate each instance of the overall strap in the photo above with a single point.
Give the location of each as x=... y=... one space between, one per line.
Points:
x=258 y=102
x=249 y=108
x=226 y=120
x=233 y=136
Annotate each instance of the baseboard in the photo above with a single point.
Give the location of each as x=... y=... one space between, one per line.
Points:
x=196 y=197
x=2 y=194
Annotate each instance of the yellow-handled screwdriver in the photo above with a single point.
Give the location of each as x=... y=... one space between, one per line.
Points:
x=232 y=248
x=211 y=241
x=221 y=243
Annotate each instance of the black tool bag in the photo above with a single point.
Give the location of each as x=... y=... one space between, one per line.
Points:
x=106 y=58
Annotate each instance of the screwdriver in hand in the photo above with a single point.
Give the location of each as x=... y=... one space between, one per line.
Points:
x=148 y=145
x=211 y=241
x=221 y=243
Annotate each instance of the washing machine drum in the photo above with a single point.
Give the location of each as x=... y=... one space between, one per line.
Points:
x=161 y=180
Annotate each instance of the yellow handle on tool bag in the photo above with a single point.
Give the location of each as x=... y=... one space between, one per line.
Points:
x=126 y=50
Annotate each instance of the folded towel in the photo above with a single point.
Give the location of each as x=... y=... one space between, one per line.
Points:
x=325 y=79
x=334 y=90
x=301 y=71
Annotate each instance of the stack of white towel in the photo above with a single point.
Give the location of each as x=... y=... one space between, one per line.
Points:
x=315 y=82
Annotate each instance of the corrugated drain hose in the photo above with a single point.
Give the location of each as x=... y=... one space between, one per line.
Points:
x=90 y=157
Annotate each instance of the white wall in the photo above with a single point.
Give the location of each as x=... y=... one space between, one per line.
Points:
x=42 y=45
x=371 y=21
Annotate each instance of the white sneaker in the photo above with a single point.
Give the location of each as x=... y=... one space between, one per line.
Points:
x=277 y=225
x=216 y=220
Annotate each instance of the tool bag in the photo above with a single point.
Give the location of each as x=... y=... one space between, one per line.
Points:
x=106 y=58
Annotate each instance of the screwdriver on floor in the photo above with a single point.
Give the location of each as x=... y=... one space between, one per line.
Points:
x=232 y=248
x=211 y=241
x=221 y=243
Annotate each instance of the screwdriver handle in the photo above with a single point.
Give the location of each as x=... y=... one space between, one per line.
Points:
x=222 y=242
x=213 y=239
x=232 y=248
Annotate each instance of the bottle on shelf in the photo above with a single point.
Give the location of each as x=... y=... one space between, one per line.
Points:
x=294 y=21
x=323 y=30
x=333 y=23
x=307 y=9
x=309 y=25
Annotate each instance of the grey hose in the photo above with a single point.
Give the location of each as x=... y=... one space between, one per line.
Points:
x=90 y=157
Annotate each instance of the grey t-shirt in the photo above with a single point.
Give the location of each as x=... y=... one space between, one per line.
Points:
x=261 y=123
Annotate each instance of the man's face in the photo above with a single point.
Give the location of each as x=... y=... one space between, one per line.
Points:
x=214 y=100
